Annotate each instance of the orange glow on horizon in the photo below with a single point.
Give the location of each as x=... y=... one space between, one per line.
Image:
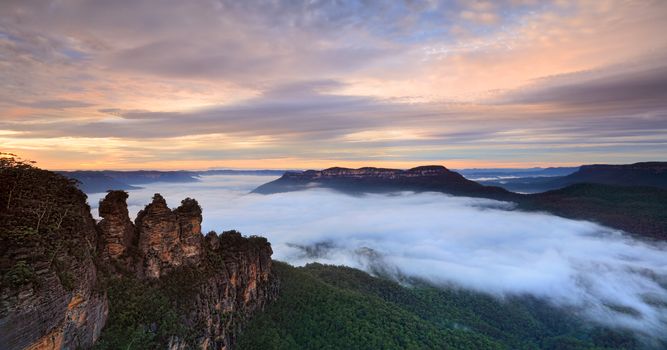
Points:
x=501 y=85
x=291 y=164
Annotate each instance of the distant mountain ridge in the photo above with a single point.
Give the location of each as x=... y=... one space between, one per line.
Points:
x=474 y=173
x=638 y=174
x=379 y=180
x=626 y=197
x=96 y=181
x=639 y=210
x=652 y=174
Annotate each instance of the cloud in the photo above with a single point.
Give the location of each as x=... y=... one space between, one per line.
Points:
x=303 y=89
x=241 y=62
x=301 y=108
x=472 y=243
x=480 y=17
x=631 y=90
x=58 y=104
x=492 y=82
x=610 y=110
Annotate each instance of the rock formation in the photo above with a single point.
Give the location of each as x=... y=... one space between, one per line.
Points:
x=55 y=262
x=116 y=229
x=159 y=243
x=224 y=299
x=234 y=277
x=165 y=238
x=189 y=230
x=233 y=273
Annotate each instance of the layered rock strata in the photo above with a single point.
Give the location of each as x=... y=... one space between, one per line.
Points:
x=55 y=262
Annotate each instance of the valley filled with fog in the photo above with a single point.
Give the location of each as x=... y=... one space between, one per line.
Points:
x=479 y=244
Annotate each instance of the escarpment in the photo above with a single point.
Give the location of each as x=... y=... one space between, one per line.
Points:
x=433 y=178
x=69 y=282
x=50 y=295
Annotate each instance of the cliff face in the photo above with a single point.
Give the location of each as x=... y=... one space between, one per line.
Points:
x=57 y=265
x=226 y=298
x=369 y=172
x=49 y=295
x=158 y=238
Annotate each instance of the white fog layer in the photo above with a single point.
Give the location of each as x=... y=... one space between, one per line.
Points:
x=474 y=243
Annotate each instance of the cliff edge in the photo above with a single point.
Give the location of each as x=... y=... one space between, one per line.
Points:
x=68 y=282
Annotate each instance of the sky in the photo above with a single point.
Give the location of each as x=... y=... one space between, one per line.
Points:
x=138 y=84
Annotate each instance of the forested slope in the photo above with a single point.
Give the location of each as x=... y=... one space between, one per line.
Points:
x=329 y=307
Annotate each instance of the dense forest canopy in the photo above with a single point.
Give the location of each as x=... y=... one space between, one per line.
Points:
x=334 y=307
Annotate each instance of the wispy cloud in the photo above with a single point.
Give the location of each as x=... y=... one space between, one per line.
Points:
x=408 y=81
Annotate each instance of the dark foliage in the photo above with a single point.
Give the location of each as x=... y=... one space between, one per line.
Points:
x=146 y=314
x=651 y=174
x=42 y=223
x=330 y=307
x=637 y=210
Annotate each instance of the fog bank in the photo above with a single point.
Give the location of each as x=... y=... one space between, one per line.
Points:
x=480 y=244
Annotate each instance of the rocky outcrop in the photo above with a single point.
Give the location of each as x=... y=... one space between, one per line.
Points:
x=165 y=239
x=233 y=279
x=228 y=277
x=226 y=298
x=189 y=231
x=158 y=238
x=55 y=262
x=162 y=239
x=117 y=232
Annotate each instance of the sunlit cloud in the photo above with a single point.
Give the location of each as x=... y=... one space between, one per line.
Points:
x=385 y=135
x=399 y=82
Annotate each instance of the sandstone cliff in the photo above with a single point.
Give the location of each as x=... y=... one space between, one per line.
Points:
x=49 y=295
x=116 y=228
x=65 y=280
